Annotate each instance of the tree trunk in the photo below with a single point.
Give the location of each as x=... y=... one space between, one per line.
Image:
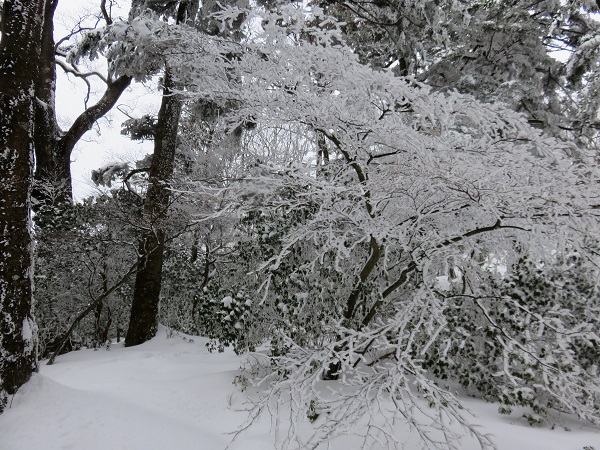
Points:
x=49 y=183
x=146 y=295
x=19 y=63
x=143 y=322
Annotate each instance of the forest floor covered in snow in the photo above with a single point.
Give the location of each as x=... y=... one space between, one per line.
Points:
x=172 y=394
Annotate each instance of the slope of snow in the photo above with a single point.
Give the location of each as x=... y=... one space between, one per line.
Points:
x=173 y=394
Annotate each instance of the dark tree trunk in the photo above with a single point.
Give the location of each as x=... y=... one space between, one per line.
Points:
x=19 y=63
x=146 y=295
x=49 y=183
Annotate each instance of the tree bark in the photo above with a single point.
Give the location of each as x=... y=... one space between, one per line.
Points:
x=19 y=63
x=143 y=322
x=47 y=187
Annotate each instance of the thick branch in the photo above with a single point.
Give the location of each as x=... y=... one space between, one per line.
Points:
x=105 y=13
x=87 y=119
x=403 y=278
x=498 y=225
x=364 y=274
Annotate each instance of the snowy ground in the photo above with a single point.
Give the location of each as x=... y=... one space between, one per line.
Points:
x=172 y=394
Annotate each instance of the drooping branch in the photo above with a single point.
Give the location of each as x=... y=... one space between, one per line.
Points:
x=403 y=278
x=498 y=225
x=73 y=70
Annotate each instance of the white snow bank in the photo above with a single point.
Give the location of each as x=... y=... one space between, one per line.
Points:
x=173 y=394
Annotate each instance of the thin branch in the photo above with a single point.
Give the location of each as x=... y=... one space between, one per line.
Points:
x=105 y=14
x=74 y=71
x=90 y=308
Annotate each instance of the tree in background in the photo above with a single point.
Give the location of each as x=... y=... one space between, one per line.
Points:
x=146 y=297
x=143 y=322
x=19 y=63
x=83 y=252
x=496 y=51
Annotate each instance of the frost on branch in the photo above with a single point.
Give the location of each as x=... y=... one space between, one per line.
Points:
x=140 y=129
x=141 y=47
x=105 y=175
x=133 y=48
x=344 y=258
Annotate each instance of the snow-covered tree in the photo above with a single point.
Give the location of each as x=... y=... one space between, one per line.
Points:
x=83 y=251
x=154 y=34
x=19 y=61
x=495 y=51
x=375 y=255
x=350 y=267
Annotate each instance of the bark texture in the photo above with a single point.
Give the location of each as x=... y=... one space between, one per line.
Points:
x=143 y=322
x=47 y=185
x=19 y=64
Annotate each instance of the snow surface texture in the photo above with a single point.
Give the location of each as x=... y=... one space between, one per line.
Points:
x=171 y=393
